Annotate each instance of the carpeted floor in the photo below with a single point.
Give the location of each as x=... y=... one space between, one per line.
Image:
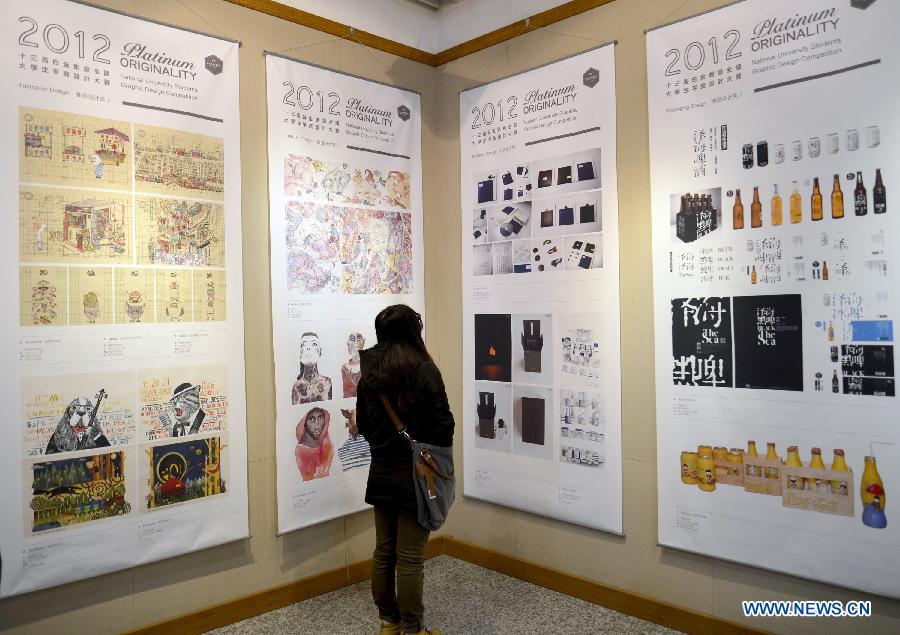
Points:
x=459 y=598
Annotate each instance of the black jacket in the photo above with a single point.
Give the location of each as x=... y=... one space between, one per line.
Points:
x=427 y=417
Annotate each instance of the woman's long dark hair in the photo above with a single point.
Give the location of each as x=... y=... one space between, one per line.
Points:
x=399 y=331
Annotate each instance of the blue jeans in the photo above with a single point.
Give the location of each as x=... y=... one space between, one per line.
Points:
x=398 y=570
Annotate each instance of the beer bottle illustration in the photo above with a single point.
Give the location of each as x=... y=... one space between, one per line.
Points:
x=837 y=198
x=776 y=207
x=879 y=194
x=816 y=201
x=796 y=205
x=755 y=209
x=860 y=200
x=737 y=213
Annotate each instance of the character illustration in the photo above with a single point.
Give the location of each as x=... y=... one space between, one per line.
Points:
x=314 y=451
x=39 y=237
x=210 y=301
x=91 y=307
x=350 y=371
x=43 y=303
x=365 y=189
x=298 y=175
x=335 y=182
x=174 y=310
x=185 y=406
x=355 y=451
x=98 y=165
x=135 y=305
x=79 y=428
x=310 y=385
x=398 y=189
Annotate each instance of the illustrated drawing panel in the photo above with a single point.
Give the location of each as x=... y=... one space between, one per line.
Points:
x=135 y=294
x=60 y=148
x=209 y=295
x=90 y=295
x=341 y=250
x=178 y=402
x=178 y=163
x=77 y=490
x=186 y=471
x=343 y=183
x=174 y=295
x=70 y=413
x=43 y=296
x=78 y=226
x=173 y=231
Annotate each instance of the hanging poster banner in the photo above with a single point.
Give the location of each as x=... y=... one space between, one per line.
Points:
x=345 y=196
x=542 y=411
x=124 y=344
x=773 y=141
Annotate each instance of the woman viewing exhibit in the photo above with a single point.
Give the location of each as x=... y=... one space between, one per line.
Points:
x=399 y=368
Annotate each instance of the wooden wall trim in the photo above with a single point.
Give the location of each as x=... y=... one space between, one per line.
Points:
x=498 y=36
x=247 y=606
x=510 y=31
x=304 y=18
x=623 y=601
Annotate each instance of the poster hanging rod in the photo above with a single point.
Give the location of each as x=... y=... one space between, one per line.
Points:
x=691 y=17
x=528 y=70
x=334 y=70
x=159 y=22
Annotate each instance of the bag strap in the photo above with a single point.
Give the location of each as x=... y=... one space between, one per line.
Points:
x=401 y=429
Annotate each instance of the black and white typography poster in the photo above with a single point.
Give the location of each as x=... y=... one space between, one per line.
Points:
x=774 y=142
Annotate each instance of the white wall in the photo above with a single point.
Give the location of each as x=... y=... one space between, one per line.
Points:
x=417 y=25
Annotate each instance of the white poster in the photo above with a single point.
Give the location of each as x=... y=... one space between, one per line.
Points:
x=345 y=196
x=542 y=412
x=774 y=138
x=122 y=182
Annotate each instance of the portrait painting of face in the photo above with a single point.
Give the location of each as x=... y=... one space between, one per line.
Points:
x=314 y=450
x=315 y=423
x=310 y=348
x=355 y=343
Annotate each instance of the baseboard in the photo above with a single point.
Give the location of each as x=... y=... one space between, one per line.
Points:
x=623 y=601
x=248 y=606
x=640 y=606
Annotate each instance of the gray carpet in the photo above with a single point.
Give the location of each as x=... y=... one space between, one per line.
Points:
x=459 y=598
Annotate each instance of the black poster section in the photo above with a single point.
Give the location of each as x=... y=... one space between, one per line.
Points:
x=768 y=344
